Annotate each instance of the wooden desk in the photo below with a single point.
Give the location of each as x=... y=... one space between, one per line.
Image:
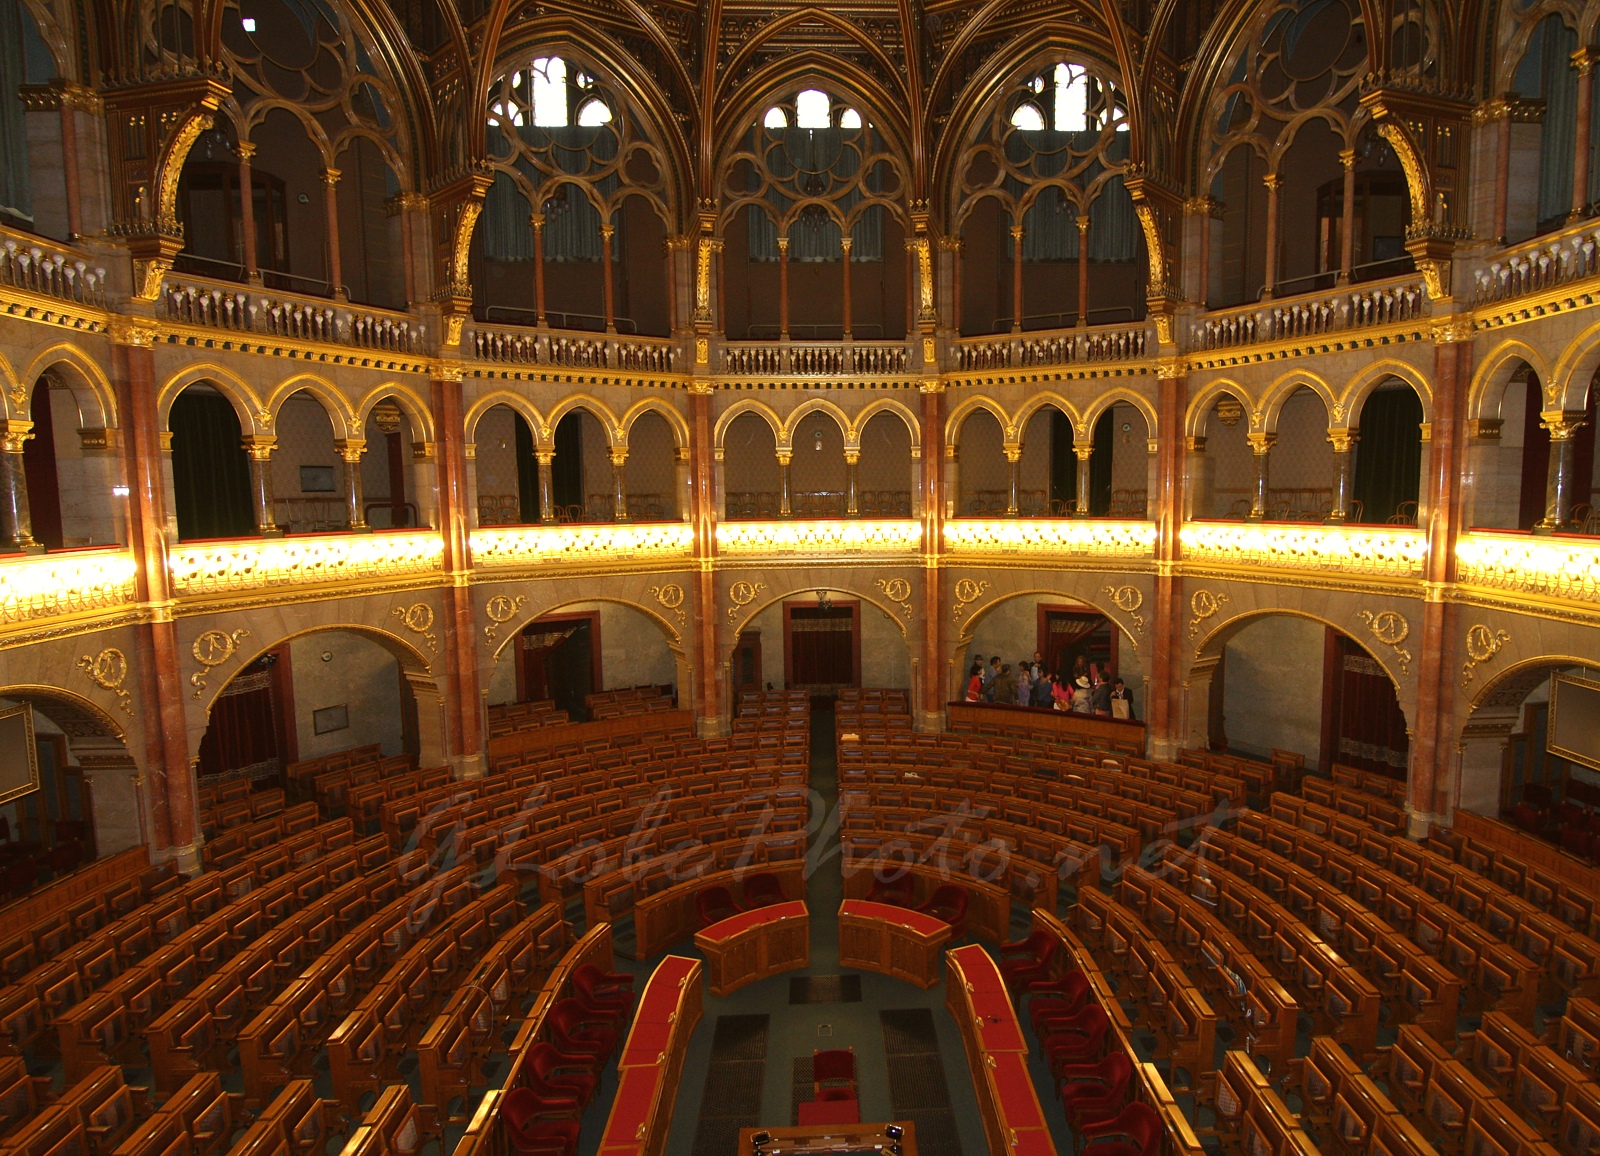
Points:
x=755 y=945
x=896 y=941
x=988 y=904
x=830 y=1138
x=652 y=1060
x=668 y=916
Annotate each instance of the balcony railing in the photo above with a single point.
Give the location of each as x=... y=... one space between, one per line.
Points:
x=523 y=546
x=573 y=351
x=1315 y=315
x=1061 y=347
x=1556 y=566
x=1058 y=537
x=217 y=567
x=47 y=586
x=1542 y=263
x=811 y=538
x=39 y=267
x=815 y=358
x=221 y=306
x=1396 y=551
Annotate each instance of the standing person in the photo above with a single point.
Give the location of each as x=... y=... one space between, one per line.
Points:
x=1004 y=687
x=1024 y=684
x=1043 y=688
x=1080 y=694
x=975 y=682
x=1121 y=700
x=989 y=675
x=1100 y=698
x=1080 y=668
x=1061 y=693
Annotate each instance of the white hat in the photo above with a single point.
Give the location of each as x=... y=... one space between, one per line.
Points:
x=1083 y=681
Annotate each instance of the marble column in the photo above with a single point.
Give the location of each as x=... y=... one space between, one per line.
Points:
x=247 y=221
x=1347 y=219
x=330 y=182
x=1016 y=278
x=547 y=501
x=608 y=276
x=16 y=522
x=1013 y=480
x=537 y=221
x=1583 y=62
x=350 y=451
x=1083 y=454
x=852 y=499
x=462 y=704
x=1559 y=480
x=619 y=484
x=783 y=485
x=1273 y=183
x=1261 y=450
x=258 y=448
x=1344 y=444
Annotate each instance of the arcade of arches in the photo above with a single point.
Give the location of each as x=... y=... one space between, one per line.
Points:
x=401 y=398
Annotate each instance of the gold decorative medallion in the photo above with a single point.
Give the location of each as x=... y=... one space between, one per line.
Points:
x=213 y=648
x=967 y=592
x=741 y=594
x=1204 y=604
x=418 y=618
x=897 y=590
x=1128 y=600
x=501 y=609
x=1390 y=628
x=109 y=670
x=1482 y=645
x=671 y=597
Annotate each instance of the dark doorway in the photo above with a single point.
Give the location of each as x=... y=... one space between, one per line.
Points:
x=560 y=661
x=747 y=662
x=1067 y=633
x=821 y=647
x=39 y=468
x=251 y=733
x=1362 y=725
x=210 y=472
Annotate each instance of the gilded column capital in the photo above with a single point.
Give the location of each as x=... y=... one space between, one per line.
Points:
x=245 y=149
x=1261 y=443
x=536 y=220
x=14 y=433
x=259 y=446
x=1016 y=232
x=330 y=176
x=1083 y=453
x=544 y=457
x=852 y=457
x=784 y=458
x=1343 y=440
x=138 y=332
x=1194 y=445
x=350 y=449
x=618 y=455
x=1583 y=60
x=1014 y=453
x=1563 y=425
x=1273 y=181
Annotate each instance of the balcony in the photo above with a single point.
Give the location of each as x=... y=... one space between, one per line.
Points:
x=221 y=305
x=70 y=583
x=1544 y=263
x=852 y=538
x=232 y=566
x=1101 y=539
x=610 y=543
x=36 y=265
x=539 y=347
x=1399 y=301
x=1100 y=344
x=815 y=358
x=1555 y=566
x=1388 y=551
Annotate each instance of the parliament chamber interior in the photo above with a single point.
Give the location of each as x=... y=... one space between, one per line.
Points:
x=652 y=578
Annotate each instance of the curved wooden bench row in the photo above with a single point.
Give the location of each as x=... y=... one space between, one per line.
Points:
x=217 y=818
x=574 y=737
x=1379 y=813
x=760 y=746
x=1124 y=736
x=988 y=903
x=227 y=849
x=666 y=917
x=199 y=1119
x=296 y=1123
x=94 y=1115
x=880 y=843
x=1546 y=876
x=1496 y=928
x=1531 y=1076
x=1335 y=1093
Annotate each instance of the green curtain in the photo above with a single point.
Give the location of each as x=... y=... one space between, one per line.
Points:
x=1063 y=463
x=1389 y=454
x=566 y=472
x=210 y=472
x=15 y=198
x=527 y=473
x=1100 y=466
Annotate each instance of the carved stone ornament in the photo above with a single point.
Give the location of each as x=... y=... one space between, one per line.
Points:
x=741 y=594
x=1482 y=645
x=967 y=592
x=671 y=597
x=898 y=591
x=1204 y=604
x=109 y=670
x=501 y=609
x=212 y=649
x=418 y=618
x=1390 y=628
x=1128 y=600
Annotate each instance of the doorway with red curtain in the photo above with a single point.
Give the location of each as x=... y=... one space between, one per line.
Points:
x=252 y=732
x=558 y=658
x=1065 y=632
x=1362 y=724
x=821 y=646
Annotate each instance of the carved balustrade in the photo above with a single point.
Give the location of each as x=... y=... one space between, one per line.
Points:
x=1312 y=315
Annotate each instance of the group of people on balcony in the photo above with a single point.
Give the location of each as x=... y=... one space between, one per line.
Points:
x=1089 y=689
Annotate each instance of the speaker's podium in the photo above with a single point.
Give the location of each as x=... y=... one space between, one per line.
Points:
x=899 y=1138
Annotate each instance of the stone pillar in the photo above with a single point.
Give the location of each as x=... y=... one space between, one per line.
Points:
x=1083 y=454
x=849 y=328
x=1344 y=444
x=619 y=484
x=168 y=779
x=852 y=500
x=537 y=221
x=684 y=478
x=1083 y=268
x=1164 y=706
x=1481 y=757
x=330 y=181
x=606 y=233
x=259 y=448
x=1558 y=490
x=783 y=288
x=1013 y=480
x=1016 y=278
x=1261 y=448
x=1347 y=220
x=16 y=522
x=783 y=484
x=463 y=705
x=707 y=608
x=547 y=501
x=1273 y=183
x=952 y=480
x=247 y=221
x=934 y=656
x=1582 y=60
x=350 y=451
x=1502 y=167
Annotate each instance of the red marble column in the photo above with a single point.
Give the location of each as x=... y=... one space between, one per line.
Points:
x=1431 y=746
x=702 y=484
x=935 y=652
x=1164 y=710
x=169 y=775
x=463 y=706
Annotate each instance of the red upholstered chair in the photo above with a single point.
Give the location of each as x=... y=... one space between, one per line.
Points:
x=833 y=1074
x=1094 y=1094
x=897 y=891
x=577 y=1033
x=1057 y=999
x=715 y=904
x=532 y=1136
x=1137 y=1131
x=605 y=993
x=763 y=890
x=948 y=904
x=1028 y=960
x=1078 y=1040
x=562 y=1075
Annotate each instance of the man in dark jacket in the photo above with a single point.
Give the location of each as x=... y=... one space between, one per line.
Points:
x=1005 y=687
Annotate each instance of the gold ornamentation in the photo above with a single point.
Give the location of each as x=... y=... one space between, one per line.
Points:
x=418 y=618
x=523 y=546
x=1229 y=410
x=1397 y=551
x=1390 y=628
x=852 y=536
x=1451 y=332
x=109 y=670
x=1482 y=645
x=211 y=649
x=501 y=609
x=1567 y=568
x=1127 y=599
x=741 y=594
x=671 y=597
x=1204 y=604
x=217 y=567
x=702 y=350
x=1052 y=537
x=968 y=591
x=898 y=591
x=171 y=168
x=137 y=332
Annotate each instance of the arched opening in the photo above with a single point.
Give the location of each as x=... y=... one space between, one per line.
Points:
x=39 y=467
x=507 y=469
x=577 y=655
x=1063 y=636
x=1124 y=481
x=986 y=284
x=1388 y=466
x=984 y=478
x=580 y=474
x=817 y=469
x=372 y=260
x=1227 y=472
x=1239 y=270
x=307 y=486
x=651 y=471
x=1248 y=695
x=1378 y=220
x=1048 y=468
x=1306 y=259
x=211 y=489
x=887 y=475
x=1301 y=478
x=750 y=471
x=32 y=118
x=318 y=694
x=643 y=290
x=1538 y=200
x=396 y=497
x=821 y=641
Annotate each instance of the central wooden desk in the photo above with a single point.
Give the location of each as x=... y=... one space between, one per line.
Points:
x=847 y=1138
x=896 y=941
x=755 y=944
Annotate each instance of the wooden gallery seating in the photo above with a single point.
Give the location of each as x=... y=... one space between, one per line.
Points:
x=1341 y=1101
x=610 y=704
x=223 y=808
x=1252 y=1118
x=296 y=1123
x=1577 y=1034
x=667 y=915
x=227 y=849
x=1550 y=1095
x=38 y=929
x=509 y=718
x=1375 y=810
x=1557 y=883
x=92 y=1118
x=988 y=914
x=198 y=1120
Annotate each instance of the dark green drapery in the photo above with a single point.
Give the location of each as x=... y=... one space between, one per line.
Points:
x=566 y=472
x=210 y=472
x=1100 y=466
x=527 y=473
x=1389 y=454
x=1063 y=463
